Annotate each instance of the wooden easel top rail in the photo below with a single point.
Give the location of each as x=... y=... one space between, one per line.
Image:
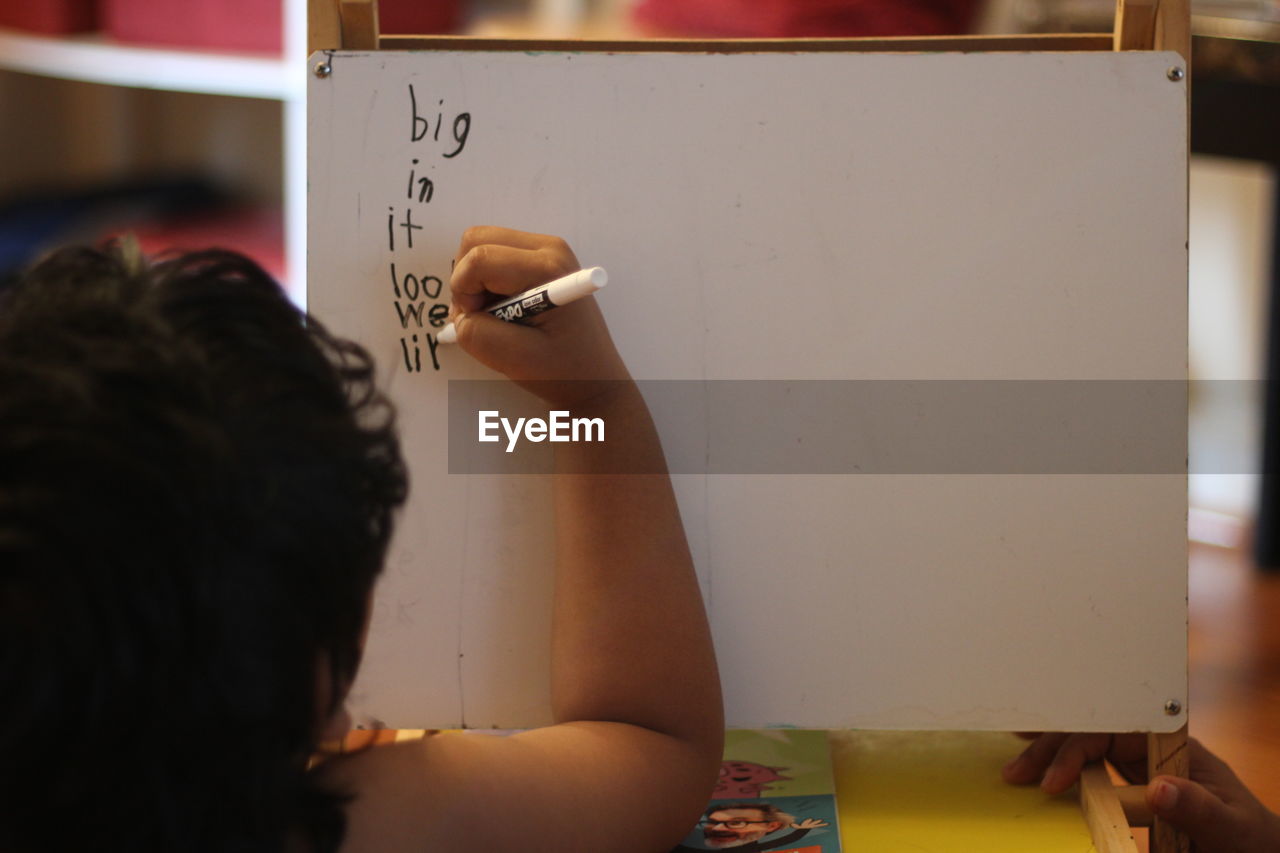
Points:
x=1139 y=25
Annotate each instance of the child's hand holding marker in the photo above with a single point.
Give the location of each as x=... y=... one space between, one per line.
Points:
x=570 y=344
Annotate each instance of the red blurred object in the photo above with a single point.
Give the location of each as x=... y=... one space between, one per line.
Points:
x=806 y=18
x=415 y=17
x=255 y=26
x=51 y=17
x=256 y=232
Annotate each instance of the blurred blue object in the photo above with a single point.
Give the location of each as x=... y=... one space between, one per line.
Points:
x=37 y=223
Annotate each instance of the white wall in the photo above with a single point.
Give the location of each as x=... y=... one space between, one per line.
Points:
x=1230 y=228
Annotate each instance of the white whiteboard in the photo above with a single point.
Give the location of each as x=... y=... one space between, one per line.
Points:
x=805 y=216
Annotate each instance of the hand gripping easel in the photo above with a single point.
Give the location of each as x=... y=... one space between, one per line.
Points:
x=1140 y=25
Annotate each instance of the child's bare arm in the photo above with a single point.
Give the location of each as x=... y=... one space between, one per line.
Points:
x=635 y=690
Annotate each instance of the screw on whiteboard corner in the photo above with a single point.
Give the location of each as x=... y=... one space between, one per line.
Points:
x=1175 y=74
x=323 y=69
x=1173 y=707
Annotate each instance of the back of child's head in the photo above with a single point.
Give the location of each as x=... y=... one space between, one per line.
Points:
x=196 y=492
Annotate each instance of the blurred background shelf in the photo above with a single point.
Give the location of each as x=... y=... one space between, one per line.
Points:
x=96 y=59
x=161 y=132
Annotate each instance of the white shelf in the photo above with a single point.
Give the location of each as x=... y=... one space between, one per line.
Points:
x=94 y=59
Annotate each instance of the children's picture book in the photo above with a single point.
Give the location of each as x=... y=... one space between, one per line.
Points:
x=776 y=793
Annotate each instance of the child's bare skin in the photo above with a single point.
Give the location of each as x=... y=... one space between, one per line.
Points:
x=636 y=746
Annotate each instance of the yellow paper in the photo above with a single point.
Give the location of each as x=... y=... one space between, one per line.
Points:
x=941 y=792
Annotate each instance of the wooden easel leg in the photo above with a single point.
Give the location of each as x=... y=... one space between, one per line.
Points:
x=324 y=30
x=1171 y=28
x=1167 y=755
x=1103 y=813
x=1135 y=24
x=359 y=24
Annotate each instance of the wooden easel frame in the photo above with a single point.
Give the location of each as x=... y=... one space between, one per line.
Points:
x=1139 y=25
x=1112 y=811
x=1109 y=811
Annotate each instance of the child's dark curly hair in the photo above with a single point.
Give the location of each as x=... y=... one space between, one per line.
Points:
x=197 y=488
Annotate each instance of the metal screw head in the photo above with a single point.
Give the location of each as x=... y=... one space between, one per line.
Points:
x=1175 y=74
x=1173 y=707
x=323 y=69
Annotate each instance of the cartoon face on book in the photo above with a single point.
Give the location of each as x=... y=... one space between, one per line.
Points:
x=739 y=824
x=755 y=807
x=745 y=779
x=759 y=825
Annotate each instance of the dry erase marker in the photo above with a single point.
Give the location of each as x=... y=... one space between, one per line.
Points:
x=522 y=307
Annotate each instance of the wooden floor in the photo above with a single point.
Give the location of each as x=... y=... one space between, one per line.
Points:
x=1234 y=703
